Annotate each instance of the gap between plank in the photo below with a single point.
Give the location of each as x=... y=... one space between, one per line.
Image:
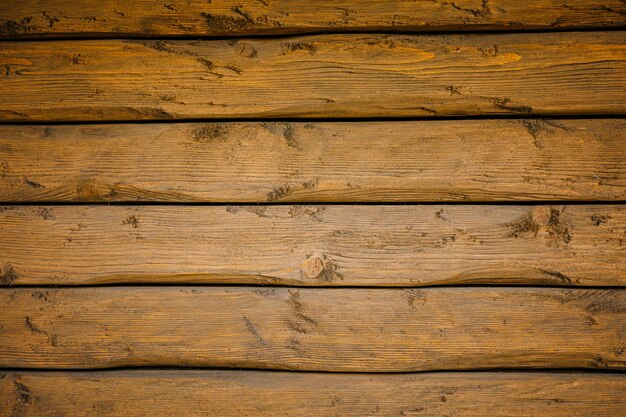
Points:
x=316 y=203
x=85 y=36
x=210 y=369
x=533 y=116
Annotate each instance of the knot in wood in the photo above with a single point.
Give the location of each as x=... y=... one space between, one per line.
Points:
x=313 y=266
x=541 y=215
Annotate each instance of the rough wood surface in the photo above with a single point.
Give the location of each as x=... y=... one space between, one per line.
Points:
x=465 y=160
x=34 y=18
x=166 y=393
x=314 y=245
x=321 y=329
x=316 y=76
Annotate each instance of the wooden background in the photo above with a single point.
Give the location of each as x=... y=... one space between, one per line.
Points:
x=331 y=208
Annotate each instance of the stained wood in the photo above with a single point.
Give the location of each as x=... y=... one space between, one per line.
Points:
x=316 y=76
x=252 y=393
x=364 y=330
x=469 y=160
x=32 y=18
x=314 y=245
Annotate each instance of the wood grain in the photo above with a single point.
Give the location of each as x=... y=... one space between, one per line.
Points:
x=469 y=160
x=314 y=329
x=314 y=245
x=32 y=18
x=252 y=393
x=316 y=76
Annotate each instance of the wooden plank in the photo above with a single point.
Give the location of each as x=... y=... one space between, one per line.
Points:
x=314 y=329
x=253 y=393
x=314 y=245
x=33 y=18
x=317 y=76
x=469 y=160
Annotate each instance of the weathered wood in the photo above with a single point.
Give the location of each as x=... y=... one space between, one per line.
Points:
x=315 y=76
x=364 y=330
x=466 y=160
x=314 y=245
x=254 y=393
x=33 y=18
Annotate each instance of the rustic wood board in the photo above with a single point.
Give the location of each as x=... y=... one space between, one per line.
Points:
x=468 y=160
x=165 y=393
x=362 y=75
x=314 y=329
x=314 y=245
x=33 y=18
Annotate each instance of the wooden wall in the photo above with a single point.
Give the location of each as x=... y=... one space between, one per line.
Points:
x=331 y=208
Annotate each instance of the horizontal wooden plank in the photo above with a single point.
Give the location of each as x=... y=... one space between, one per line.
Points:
x=469 y=160
x=314 y=245
x=253 y=393
x=32 y=18
x=315 y=329
x=316 y=76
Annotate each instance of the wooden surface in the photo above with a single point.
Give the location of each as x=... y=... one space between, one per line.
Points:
x=165 y=393
x=468 y=160
x=32 y=18
x=314 y=245
x=266 y=293
x=315 y=76
x=314 y=329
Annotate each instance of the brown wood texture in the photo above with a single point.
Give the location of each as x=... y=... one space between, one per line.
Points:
x=314 y=245
x=33 y=18
x=316 y=76
x=468 y=160
x=314 y=329
x=251 y=393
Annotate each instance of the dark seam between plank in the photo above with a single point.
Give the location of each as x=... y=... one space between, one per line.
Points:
x=83 y=36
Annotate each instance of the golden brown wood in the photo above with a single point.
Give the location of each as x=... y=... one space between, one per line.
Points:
x=33 y=18
x=466 y=160
x=270 y=394
x=315 y=76
x=314 y=245
x=361 y=330
x=364 y=330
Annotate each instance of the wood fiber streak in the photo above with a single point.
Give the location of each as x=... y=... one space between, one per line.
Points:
x=359 y=75
x=486 y=160
x=270 y=394
x=33 y=18
x=314 y=245
x=364 y=330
